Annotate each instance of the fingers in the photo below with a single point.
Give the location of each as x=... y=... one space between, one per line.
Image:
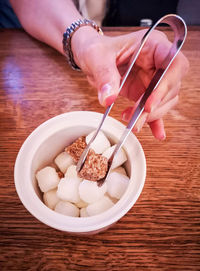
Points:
x=140 y=122
x=157 y=128
x=97 y=60
x=91 y=80
x=106 y=78
x=162 y=110
x=165 y=96
x=171 y=94
x=101 y=69
x=154 y=119
x=128 y=113
x=106 y=61
x=173 y=76
x=134 y=86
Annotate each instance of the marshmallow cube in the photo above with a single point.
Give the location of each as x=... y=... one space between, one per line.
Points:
x=119 y=159
x=120 y=170
x=114 y=200
x=68 y=190
x=100 y=144
x=81 y=204
x=50 y=198
x=83 y=212
x=116 y=184
x=90 y=192
x=99 y=206
x=63 y=161
x=47 y=179
x=66 y=208
x=72 y=173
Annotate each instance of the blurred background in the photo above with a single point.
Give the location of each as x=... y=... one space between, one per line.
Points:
x=120 y=13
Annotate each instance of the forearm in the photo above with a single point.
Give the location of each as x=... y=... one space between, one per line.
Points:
x=46 y=20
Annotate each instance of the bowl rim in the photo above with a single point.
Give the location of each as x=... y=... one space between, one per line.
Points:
x=37 y=208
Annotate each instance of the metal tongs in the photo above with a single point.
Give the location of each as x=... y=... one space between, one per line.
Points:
x=180 y=30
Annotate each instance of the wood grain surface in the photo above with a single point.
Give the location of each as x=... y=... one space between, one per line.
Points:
x=162 y=230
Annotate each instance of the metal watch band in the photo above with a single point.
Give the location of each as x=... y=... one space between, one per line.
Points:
x=67 y=36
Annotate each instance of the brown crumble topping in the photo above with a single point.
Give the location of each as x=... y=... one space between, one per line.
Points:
x=76 y=148
x=95 y=167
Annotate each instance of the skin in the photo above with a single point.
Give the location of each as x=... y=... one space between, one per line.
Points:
x=105 y=59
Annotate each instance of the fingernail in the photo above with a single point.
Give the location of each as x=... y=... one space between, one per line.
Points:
x=163 y=137
x=125 y=117
x=110 y=100
x=104 y=93
x=141 y=122
x=135 y=129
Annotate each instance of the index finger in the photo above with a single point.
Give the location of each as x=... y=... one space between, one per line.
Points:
x=176 y=71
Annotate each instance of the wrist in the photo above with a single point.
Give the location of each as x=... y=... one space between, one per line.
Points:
x=81 y=41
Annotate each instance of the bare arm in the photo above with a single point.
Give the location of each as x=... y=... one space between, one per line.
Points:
x=46 y=20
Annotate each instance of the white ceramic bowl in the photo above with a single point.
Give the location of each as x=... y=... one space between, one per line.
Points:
x=48 y=140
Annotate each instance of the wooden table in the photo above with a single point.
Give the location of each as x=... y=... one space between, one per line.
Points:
x=162 y=230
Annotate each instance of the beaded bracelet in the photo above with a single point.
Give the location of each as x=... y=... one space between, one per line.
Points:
x=67 y=36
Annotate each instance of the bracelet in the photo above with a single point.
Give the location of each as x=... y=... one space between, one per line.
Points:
x=67 y=36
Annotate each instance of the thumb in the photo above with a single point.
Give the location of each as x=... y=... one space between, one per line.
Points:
x=107 y=80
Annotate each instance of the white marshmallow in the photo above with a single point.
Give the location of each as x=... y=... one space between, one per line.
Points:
x=66 y=208
x=119 y=159
x=63 y=161
x=47 y=179
x=83 y=212
x=50 y=198
x=117 y=184
x=68 y=189
x=120 y=170
x=99 y=206
x=114 y=200
x=81 y=204
x=90 y=192
x=72 y=173
x=100 y=144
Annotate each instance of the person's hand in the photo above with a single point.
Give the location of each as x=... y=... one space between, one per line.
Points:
x=105 y=59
